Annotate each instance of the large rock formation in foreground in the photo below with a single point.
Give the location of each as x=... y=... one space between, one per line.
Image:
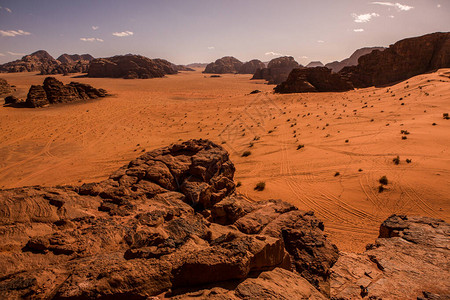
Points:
x=169 y=225
x=410 y=260
x=319 y=79
x=404 y=59
x=130 y=67
x=54 y=91
x=251 y=67
x=69 y=63
x=336 y=66
x=226 y=64
x=277 y=70
x=166 y=223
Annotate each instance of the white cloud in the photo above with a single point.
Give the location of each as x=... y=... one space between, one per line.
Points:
x=438 y=6
x=211 y=48
x=95 y=27
x=364 y=17
x=304 y=57
x=1 y=54
x=320 y=41
x=271 y=53
x=358 y=30
x=8 y=10
x=91 y=40
x=16 y=54
x=397 y=5
x=391 y=16
x=13 y=32
x=123 y=33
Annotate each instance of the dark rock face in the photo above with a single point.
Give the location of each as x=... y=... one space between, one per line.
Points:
x=404 y=59
x=314 y=64
x=12 y=100
x=73 y=58
x=69 y=63
x=30 y=63
x=158 y=224
x=5 y=88
x=277 y=70
x=54 y=91
x=227 y=64
x=319 y=79
x=251 y=67
x=130 y=67
x=408 y=261
x=336 y=66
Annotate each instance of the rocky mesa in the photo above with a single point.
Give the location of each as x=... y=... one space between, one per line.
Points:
x=170 y=225
x=336 y=66
x=130 y=67
x=226 y=64
x=277 y=70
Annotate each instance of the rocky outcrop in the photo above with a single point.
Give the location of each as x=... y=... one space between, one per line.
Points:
x=54 y=91
x=167 y=222
x=69 y=63
x=226 y=64
x=277 y=70
x=74 y=58
x=410 y=260
x=404 y=59
x=13 y=101
x=314 y=64
x=182 y=68
x=130 y=67
x=308 y=80
x=251 y=67
x=336 y=66
x=31 y=63
x=5 y=88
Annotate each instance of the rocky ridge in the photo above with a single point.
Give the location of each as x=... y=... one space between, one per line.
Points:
x=169 y=225
x=54 y=91
x=130 y=67
x=226 y=64
x=336 y=66
x=277 y=70
x=5 y=88
x=251 y=67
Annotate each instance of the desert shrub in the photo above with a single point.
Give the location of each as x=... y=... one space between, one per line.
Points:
x=238 y=184
x=300 y=146
x=246 y=153
x=446 y=116
x=360 y=170
x=346 y=141
x=380 y=189
x=404 y=137
x=434 y=124
x=337 y=174
x=396 y=160
x=408 y=161
x=383 y=180
x=405 y=132
x=260 y=186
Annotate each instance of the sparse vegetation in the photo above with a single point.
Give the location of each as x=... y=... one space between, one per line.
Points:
x=300 y=146
x=408 y=161
x=405 y=132
x=396 y=160
x=380 y=189
x=446 y=116
x=383 y=180
x=260 y=186
x=337 y=174
x=404 y=137
x=246 y=153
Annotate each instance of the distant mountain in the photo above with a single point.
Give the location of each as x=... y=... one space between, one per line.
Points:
x=277 y=70
x=314 y=64
x=30 y=63
x=130 y=67
x=73 y=58
x=226 y=64
x=251 y=67
x=197 y=65
x=336 y=66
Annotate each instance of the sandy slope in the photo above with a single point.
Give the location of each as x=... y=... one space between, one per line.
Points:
x=68 y=144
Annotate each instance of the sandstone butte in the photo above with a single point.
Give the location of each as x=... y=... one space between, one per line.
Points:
x=169 y=225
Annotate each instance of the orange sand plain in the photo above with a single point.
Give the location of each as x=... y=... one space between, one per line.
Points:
x=84 y=142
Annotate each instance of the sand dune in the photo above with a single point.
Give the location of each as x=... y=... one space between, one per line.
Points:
x=65 y=144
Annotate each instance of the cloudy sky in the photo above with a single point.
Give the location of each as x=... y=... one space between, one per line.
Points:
x=185 y=31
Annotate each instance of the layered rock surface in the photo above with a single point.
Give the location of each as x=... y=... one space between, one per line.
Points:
x=130 y=67
x=410 y=260
x=251 y=67
x=226 y=64
x=54 y=91
x=277 y=70
x=336 y=66
x=404 y=59
x=167 y=222
x=5 y=88
x=319 y=79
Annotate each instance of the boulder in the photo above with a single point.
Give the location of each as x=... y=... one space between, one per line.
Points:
x=250 y=67
x=408 y=261
x=226 y=64
x=12 y=100
x=54 y=91
x=319 y=79
x=5 y=88
x=130 y=67
x=277 y=70
x=404 y=59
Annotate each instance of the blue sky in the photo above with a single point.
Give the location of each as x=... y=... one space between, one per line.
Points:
x=185 y=31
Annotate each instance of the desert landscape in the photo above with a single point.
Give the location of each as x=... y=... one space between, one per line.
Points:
x=315 y=175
